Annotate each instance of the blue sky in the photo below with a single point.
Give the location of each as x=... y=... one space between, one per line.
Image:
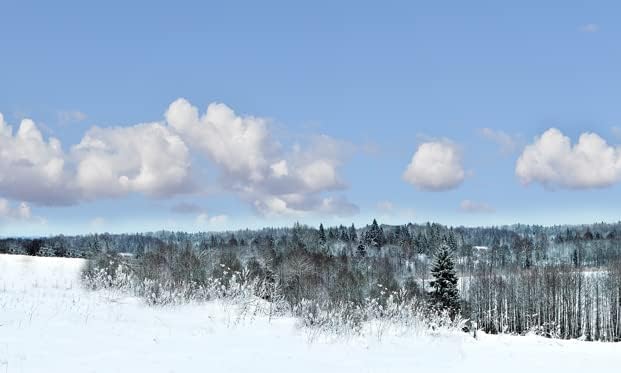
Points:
x=344 y=95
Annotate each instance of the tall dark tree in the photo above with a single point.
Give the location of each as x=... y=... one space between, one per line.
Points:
x=451 y=241
x=361 y=251
x=444 y=295
x=233 y=241
x=322 y=235
x=33 y=247
x=353 y=236
x=375 y=236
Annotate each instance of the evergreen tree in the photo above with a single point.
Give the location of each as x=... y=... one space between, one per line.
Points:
x=451 y=241
x=344 y=236
x=375 y=236
x=233 y=241
x=361 y=251
x=322 y=235
x=444 y=296
x=353 y=236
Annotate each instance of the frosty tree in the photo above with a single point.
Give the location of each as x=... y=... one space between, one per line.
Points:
x=444 y=294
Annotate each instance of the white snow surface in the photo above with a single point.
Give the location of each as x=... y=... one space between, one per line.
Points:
x=49 y=323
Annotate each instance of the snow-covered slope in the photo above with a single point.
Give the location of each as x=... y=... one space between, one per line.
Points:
x=48 y=323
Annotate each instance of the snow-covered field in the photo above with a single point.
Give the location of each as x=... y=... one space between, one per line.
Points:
x=48 y=323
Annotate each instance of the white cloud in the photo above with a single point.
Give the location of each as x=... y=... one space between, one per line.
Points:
x=108 y=162
x=238 y=143
x=154 y=159
x=71 y=116
x=508 y=143
x=475 y=207
x=211 y=221
x=274 y=206
x=146 y=158
x=589 y=28
x=280 y=169
x=218 y=219
x=254 y=165
x=319 y=174
x=553 y=161
x=32 y=169
x=435 y=166
x=338 y=206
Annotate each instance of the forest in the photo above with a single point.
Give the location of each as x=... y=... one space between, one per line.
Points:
x=556 y=281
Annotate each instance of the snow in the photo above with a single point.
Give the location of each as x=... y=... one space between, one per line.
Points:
x=48 y=323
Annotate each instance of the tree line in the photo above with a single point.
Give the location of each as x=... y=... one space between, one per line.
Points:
x=558 y=281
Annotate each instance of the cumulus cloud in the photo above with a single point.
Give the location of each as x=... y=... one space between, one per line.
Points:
x=32 y=169
x=108 y=162
x=154 y=159
x=553 y=161
x=435 y=166
x=475 y=207
x=256 y=166
x=507 y=143
x=146 y=158
x=240 y=144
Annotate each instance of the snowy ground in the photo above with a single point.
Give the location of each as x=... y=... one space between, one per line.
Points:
x=49 y=324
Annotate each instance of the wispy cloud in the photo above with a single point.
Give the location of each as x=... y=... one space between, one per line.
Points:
x=589 y=28
x=508 y=143
x=10 y=212
x=216 y=220
x=71 y=116
x=475 y=207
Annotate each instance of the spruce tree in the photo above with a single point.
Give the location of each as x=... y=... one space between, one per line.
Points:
x=353 y=236
x=375 y=236
x=322 y=235
x=444 y=295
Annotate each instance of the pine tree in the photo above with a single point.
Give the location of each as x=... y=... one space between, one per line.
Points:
x=353 y=236
x=444 y=296
x=375 y=236
x=322 y=235
x=451 y=241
